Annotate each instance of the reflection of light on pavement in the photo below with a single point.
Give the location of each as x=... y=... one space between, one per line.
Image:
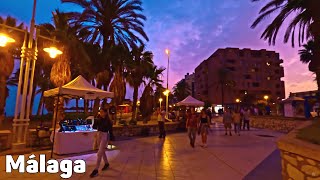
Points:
x=111 y=146
x=165 y=163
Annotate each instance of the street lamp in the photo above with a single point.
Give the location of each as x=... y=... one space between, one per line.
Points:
x=29 y=53
x=166 y=93
x=160 y=101
x=4 y=40
x=237 y=100
x=266 y=97
x=53 y=51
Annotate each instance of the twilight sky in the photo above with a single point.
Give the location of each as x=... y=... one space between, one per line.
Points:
x=192 y=30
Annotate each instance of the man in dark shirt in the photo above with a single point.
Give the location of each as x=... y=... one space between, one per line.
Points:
x=103 y=125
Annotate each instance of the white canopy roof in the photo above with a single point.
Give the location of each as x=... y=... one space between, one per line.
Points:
x=190 y=101
x=79 y=87
x=290 y=99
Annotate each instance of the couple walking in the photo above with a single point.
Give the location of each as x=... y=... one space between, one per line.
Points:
x=198 y=124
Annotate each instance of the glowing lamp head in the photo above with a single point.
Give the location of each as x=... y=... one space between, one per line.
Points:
x=237 y=100
x=53 y=51
x=4 y=40
x=166 y=92
x=167 y=51
x=160 y=100
x=266 y=97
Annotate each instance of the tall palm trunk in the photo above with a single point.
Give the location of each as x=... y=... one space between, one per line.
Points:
x=97 y=101
x=135 y=99
x=33 y=98
x=315 y=31
x=40 y=104
x=3 y=87
x=222 y=95
x=318 y=81
x=86 y=107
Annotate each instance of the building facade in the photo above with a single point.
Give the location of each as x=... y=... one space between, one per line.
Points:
x=189 y=78
x=234 y=73
x=201 y=81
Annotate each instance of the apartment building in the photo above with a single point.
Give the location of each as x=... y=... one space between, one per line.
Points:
x=244 y=72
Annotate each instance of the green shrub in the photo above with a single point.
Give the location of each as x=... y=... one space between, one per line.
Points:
x=310 y=133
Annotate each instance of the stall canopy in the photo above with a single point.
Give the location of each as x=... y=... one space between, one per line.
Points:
x=190 y=101
x=79 y=87
x=291 y=99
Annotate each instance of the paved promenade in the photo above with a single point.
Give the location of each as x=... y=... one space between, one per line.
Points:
x=249 y=156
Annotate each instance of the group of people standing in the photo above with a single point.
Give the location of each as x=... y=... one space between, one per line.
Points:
x=200 y=124
x=239 y=118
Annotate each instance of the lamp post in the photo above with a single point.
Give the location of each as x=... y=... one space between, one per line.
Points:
x=29 y=54
x=238 y=101
x=168 y=54
x=160 y=101
x=166 y=93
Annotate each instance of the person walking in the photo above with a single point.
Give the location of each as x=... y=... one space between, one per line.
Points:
x=204 y=127
x=236 y=117
x=103 y=125
x=192 y=126
x=227 y=120
x=241 y=120
x=161 y=121
x=209 y=113
x=246 y=119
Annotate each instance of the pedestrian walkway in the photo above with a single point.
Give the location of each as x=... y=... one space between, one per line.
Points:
x=225 y=158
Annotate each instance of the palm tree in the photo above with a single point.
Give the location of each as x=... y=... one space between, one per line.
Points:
x=137 y=72
x=225 y=81
x=159 y=93
x=72 y=46
x=147 y=101
x=73 y=55
x=306 y=56
x=120 y=57
x=306 y=20
x=7 y=55
x=110 y=22
x=181 y=90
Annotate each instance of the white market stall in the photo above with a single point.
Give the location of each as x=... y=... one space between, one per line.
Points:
x=78 y=140
x=293 y=106
x=190 y=101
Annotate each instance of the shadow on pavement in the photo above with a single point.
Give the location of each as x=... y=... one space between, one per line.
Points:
x=269 y=168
